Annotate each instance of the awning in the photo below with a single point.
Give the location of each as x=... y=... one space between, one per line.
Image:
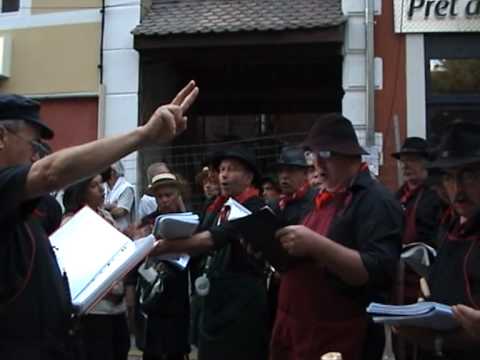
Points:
x=243 y=21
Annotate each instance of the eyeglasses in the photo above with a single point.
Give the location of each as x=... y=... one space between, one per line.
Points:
x=36 y=145
x=310 y=156
x=464 y=177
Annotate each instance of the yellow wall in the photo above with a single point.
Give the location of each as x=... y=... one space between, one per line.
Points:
x=54 y=59
x=49 y=6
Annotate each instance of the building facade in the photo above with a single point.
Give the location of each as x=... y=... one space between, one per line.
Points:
x=77 y=59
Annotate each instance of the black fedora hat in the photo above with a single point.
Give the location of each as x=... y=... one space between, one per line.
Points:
x=459 y=146
x=335 y=133
x=413 y=145
x=241 y=153
x=17 y=107
x=292 y=156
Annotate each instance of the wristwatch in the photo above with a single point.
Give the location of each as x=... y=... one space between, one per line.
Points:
x=438 y=345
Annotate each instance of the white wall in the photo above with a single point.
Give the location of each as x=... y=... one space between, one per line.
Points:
x=354 y=76
x=354 y=85
x=121 y=74
x=416 y=96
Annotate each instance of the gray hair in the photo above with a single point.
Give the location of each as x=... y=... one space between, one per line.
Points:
x=13 y=125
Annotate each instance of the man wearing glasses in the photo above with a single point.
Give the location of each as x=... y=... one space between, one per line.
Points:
x=347 y=246
x=35 y=308
x=455 y=275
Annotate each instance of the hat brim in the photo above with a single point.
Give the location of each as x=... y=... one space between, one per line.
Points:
x=453 y=162
x=397 y=154
x=45 y=132
x=302 y=166
x=218 y=159
x=163 y=183
x=350 y=150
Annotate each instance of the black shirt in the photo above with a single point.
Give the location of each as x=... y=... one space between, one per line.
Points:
x=371 y=223
x=427 y=206
x=34 y=304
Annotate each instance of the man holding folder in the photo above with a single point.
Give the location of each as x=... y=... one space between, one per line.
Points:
x=35 y=307
x=347 y=246
x=455 y=275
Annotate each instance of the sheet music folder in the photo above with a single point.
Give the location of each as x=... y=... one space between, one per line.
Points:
x=94 y=255
x=425 y=314
x=259 y=230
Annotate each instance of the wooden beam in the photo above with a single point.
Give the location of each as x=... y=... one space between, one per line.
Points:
x=257 y=38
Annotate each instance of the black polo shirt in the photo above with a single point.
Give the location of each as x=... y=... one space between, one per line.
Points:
x=34 y=304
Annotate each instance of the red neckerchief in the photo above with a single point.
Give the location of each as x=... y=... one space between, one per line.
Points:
x=325 y=196
x=407 y=193
x=447 y=216
x=217 y=204
x=299 y=194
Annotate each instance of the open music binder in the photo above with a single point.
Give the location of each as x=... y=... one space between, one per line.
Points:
x=425 y=314
x=94 y=255
x=259 y=230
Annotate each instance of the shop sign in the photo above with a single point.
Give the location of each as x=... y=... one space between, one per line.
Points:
x=423 y=16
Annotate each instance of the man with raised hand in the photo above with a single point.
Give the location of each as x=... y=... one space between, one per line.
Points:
x=35 y=307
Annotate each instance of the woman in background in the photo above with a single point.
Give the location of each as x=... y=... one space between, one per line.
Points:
x=104 y=331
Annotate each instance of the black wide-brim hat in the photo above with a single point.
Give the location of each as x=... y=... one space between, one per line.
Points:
x=241 y=153
x=413 y=145
x=16 y=107
x=335 y=133
x=292 y=156
x=459 y=146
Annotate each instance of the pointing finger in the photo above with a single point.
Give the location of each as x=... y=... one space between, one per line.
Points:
x=189 y=100
x=182 y=94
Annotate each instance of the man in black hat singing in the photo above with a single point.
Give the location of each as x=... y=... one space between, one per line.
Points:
x=297 y=195
x=348 y=245
x=421 y=205
x=35 y=308
x=232 y=321
x=455 y=275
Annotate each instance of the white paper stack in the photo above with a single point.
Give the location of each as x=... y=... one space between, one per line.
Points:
x=426 y=314
x=176 y=226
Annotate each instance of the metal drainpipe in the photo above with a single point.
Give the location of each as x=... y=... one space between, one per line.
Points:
x=101 y=85
x=370 y=71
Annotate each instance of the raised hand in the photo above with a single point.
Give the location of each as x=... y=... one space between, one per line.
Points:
x=169 y=120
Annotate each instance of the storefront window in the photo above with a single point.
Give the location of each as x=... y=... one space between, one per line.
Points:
x=455 y=76
x=452 y=81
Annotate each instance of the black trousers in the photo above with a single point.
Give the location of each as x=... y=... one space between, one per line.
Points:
x=105 y=337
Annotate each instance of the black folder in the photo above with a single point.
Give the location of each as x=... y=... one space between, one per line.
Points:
x=258 y=230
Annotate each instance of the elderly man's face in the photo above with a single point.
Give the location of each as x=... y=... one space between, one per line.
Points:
x=332 y=169
x=17 y=145
x=234 y=177
x=413 y=168
x=462 y=186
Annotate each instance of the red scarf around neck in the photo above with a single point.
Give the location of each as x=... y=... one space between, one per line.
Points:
x=217 y=204
x=297 y=195
x=407 y=192
x=325 y=196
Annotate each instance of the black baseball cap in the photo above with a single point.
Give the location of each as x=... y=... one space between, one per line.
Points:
x=17 y=107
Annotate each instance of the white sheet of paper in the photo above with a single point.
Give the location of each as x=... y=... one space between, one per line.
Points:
x=237 y=210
